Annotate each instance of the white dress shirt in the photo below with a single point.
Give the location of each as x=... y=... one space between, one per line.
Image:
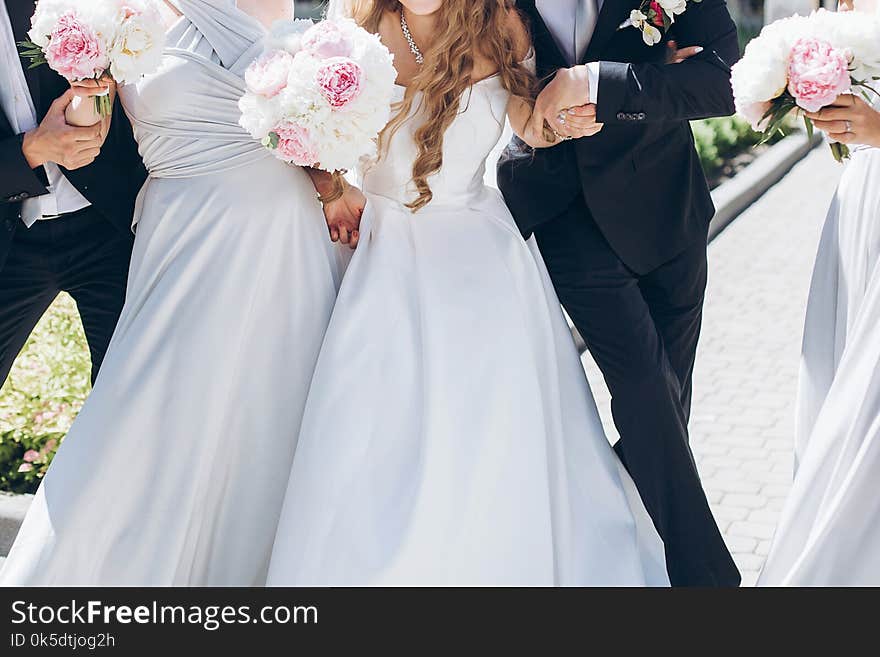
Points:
x=572 y=22
x=17 y=104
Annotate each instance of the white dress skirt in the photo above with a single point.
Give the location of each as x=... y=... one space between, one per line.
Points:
x=829 y=534
x=450 y=436
x=175 y=472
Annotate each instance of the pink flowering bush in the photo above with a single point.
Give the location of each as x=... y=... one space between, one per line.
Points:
x=44 y=392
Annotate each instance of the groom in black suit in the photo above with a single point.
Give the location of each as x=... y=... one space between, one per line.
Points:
x=65 y=210
x=621 y=214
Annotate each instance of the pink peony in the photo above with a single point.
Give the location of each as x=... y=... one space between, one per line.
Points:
x=31 y=455
x=817 y=73
x=339 y=80
x=127 y=12
x=74 y=50
x=326 y=40
x=267 y=76
x=658 y=13
x=25 y=467
x=754 y=113
x=295 y=145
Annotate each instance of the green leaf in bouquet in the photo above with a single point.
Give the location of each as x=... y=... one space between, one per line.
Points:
x=809 y=125
x=271 y=140
x=667 y=22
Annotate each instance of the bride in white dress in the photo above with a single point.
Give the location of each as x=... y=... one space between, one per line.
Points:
x=829 y=533
x=175 y=471
x=450 y=436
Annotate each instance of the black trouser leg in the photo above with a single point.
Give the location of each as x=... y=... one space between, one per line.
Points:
x=83 y=255
x=627 y=322
x=27 y=289
x=96 y=279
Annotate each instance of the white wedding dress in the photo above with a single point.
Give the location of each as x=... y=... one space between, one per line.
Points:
x=175 y=471
x=829 y=533
x=450 y=436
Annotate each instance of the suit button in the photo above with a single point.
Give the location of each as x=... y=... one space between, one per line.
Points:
x=621 y=116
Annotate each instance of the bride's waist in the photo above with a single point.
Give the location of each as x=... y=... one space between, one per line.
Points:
x=442 y=196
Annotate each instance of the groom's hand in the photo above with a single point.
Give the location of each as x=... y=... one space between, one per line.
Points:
x=565 y=105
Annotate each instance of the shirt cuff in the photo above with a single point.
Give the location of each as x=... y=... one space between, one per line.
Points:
x=593 y=77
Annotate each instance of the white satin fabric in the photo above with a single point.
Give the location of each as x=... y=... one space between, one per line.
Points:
x=175 y=471
x=450 y=436
x=829 y=534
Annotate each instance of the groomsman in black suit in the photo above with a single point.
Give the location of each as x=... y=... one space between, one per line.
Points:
x=621 y=212
x=66 y=202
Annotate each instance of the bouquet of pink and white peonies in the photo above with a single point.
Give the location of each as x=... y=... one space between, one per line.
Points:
x=805 y=63
x=320 y=94
x=88 y=39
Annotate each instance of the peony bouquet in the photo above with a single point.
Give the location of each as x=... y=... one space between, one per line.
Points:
x=805 y=63
x=320 y=94
x=87 y=39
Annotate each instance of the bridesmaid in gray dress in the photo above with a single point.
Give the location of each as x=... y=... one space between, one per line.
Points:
x=175 y=471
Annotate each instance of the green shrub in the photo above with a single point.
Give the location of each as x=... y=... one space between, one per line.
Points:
x=44 y=392
x=721 y=138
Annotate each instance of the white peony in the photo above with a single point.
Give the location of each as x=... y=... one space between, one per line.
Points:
x=762 y=73
x=139 y=43
x=673 y=7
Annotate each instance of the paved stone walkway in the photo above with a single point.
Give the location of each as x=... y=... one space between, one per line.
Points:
x=746 y=376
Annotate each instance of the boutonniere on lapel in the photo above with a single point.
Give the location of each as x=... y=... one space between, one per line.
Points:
x=653 y=18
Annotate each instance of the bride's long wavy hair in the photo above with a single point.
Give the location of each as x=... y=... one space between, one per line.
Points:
x=466 y=28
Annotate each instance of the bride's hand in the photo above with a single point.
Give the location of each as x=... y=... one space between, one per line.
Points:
x=848 y=120
x=344 y=216
x=676 y=55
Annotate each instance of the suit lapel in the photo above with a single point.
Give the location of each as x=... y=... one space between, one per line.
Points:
x=551 y=58
x=20 y=12
x=613 y=13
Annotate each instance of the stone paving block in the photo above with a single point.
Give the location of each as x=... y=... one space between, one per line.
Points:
x=750 y=529
x=743 y=499
x=740 y=544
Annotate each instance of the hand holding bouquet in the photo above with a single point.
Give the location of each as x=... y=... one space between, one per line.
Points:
x=90 y=39
x=320 y=95
x=805 y=63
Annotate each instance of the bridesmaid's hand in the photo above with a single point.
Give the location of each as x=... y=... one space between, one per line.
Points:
x=344 y=216
x=848 y=120
x=82 y=112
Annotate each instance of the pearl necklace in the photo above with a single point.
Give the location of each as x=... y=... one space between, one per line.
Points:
x=420 y=59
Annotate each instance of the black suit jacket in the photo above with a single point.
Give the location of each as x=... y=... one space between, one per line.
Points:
x=110 y=183
x=640 y=176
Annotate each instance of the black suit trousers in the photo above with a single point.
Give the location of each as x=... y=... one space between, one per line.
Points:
x=642 y=331
x=83 y=255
